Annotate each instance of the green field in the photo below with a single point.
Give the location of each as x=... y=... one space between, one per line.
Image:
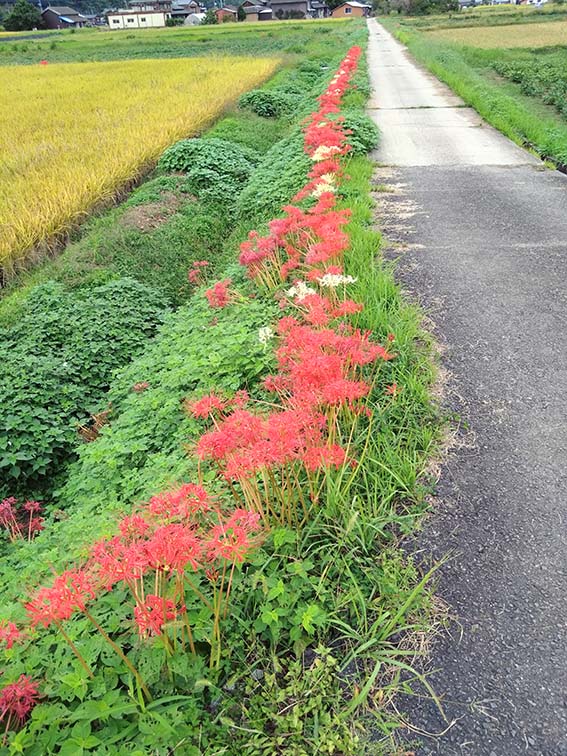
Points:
x=287 y=37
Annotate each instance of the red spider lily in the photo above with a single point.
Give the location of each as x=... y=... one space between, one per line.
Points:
x=154 y=613
x=20 y=520
x=219 y=295
x=8 y=518
x=301 y=238
x=173 y=547
x=17 y=700
x=113 y=561
x=318 y=457
x=206 y=405
x=393 y=390
x=245 y=443
x=229 y=543
x=133 y=527
x=70 y=592
x=195 y=273
x=9 y=633
x=182 y=503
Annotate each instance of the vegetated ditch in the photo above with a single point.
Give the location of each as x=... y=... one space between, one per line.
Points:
x=78 y=318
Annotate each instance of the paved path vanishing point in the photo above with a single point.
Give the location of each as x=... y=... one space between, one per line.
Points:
x=480 y=227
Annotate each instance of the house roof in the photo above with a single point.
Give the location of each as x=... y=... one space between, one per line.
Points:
x=63 y=10
x=134 y=12
x=355 y=4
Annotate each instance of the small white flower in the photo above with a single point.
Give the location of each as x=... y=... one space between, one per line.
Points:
x=333 y=280
x=300 y=290
x=324 y=151
x=326 y=184
x=265 y=334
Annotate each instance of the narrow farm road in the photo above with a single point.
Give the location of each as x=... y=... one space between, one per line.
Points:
x=480 y=228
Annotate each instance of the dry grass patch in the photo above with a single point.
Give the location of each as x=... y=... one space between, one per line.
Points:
x=545 y=34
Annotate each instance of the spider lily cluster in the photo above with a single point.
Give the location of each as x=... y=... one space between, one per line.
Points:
x=275 y=461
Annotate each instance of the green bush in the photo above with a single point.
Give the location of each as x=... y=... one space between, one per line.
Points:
x=216 y=169
x=144 y=447
x=161 y=257
x=56 y=363
x=268 y=103
x=364 y=133
x=250 y=130
x=280 y=175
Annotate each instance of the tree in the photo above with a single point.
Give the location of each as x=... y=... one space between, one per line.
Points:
x=22 y=17
x=210 y=17
x=241 y=13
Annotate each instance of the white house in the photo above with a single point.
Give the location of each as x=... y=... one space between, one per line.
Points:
x=136 y=19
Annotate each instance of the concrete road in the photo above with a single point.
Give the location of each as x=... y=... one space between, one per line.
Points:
x=480 y=229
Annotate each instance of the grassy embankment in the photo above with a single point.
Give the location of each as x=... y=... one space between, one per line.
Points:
x=481 y=65
x=318 y=637
x=153 y=238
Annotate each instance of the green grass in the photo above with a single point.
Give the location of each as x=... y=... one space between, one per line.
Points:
x=288 y=38
x=471 y=74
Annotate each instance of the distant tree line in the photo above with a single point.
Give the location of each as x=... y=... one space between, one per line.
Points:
x=414 y=7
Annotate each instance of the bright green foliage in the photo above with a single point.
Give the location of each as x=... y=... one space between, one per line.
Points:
x=56 y=363
x=281 y=173
x=210 y=18
x=215 y=168
x=268 y=103
x=364 y=133
x=541 y=76
x=340 y=583
x=250 y=130
x=143 y=449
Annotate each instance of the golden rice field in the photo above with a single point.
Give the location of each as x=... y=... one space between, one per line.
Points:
x=545 y=34
x=72 y=134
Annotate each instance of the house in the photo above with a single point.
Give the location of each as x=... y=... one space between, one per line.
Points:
x=227 y=13
x=351 y=8
x=62 y=17
x=257 y=13
x=319 y=9
x=183 y=8
x=300 y=9
x=290 y=8
x=136 y=19
x=257 y=10
x=151 y=5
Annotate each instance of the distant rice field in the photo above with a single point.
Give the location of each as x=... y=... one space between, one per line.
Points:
x=72 y=134
x=545 y=34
